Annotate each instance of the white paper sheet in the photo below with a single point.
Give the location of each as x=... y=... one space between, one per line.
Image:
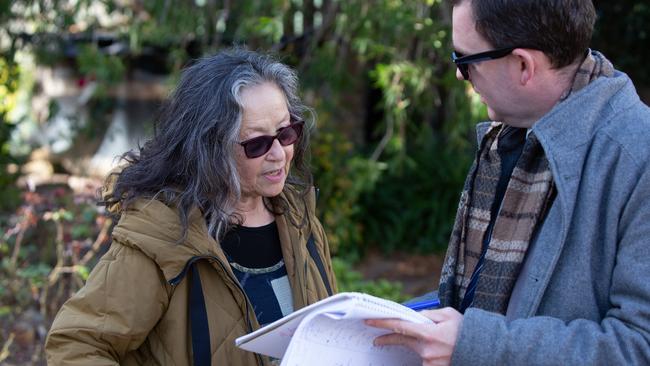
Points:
x=332 y=332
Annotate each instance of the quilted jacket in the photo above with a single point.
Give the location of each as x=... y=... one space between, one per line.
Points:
x=135 y=306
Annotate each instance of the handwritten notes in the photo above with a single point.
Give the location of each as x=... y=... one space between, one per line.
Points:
x=332 y=332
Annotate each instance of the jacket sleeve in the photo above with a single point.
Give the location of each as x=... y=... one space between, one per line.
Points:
x=621 y=337
x=123 y=299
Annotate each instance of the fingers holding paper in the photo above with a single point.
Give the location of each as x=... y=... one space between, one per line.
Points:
x=433 y=342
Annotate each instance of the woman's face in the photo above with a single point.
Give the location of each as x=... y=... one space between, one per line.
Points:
x=265 y=112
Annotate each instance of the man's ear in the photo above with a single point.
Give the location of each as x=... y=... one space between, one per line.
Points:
x=527 y=64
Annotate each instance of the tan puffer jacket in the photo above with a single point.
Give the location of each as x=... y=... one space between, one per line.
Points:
x=134 y=308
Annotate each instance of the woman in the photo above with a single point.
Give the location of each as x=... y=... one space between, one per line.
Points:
x=216 y=235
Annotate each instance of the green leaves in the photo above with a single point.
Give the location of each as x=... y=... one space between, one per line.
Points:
x=9 y=79
x=414 y=207
x=82 y=271
x=106 y=69
x=268 y=29
x=59 y=215
x=622 y=34
x=342 y=176
x=36 y=273
x=349 y=280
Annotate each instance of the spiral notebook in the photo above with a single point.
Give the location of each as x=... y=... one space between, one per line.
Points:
x=332 y=332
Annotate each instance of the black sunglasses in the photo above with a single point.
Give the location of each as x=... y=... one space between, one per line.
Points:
x=260 y=145
x=462 y=62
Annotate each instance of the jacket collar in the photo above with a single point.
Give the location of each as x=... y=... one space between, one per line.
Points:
x=565 y=138
x=154 y=228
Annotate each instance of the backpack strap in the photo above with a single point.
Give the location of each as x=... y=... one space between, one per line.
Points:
x=199 y=321
x=313 y=252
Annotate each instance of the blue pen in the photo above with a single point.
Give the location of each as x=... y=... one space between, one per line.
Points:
x=417 y=306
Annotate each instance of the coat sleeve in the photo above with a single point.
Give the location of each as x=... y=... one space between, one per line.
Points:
x=123 y=299
x=621 y=337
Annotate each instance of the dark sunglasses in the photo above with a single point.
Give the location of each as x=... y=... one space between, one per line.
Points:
x=462 y=62
x=260 y=145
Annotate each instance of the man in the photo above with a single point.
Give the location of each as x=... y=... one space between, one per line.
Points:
x=549 y=257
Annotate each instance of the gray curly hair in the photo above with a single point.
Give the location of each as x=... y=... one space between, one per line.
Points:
x=190 y=162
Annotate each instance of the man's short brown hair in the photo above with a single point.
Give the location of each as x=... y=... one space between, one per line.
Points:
x=562 y=29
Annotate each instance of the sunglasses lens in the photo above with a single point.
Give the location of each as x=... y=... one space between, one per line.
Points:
x=462 y=67
x=258 y=146
x=290 y=134
x=464 y=70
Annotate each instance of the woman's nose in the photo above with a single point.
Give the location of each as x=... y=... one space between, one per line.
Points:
x=277 y=151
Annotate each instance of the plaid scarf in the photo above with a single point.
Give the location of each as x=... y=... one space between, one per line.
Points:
x=528 y=196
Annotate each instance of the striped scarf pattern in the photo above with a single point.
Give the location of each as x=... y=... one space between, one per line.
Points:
x=527 y=198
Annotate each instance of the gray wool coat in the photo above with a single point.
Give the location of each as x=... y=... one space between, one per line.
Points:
x=583 y=295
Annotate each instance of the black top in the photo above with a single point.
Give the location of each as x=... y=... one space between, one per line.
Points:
x=255 y=256
x=254 y=247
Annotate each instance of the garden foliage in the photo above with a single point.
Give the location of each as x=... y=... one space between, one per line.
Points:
x=390 y=114
x=393 y=142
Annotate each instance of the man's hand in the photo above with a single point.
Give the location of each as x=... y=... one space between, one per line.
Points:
x=433 y=342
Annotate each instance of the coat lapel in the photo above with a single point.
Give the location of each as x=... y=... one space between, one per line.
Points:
x=566 y=142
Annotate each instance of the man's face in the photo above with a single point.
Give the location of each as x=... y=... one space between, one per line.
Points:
x=494 y=80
